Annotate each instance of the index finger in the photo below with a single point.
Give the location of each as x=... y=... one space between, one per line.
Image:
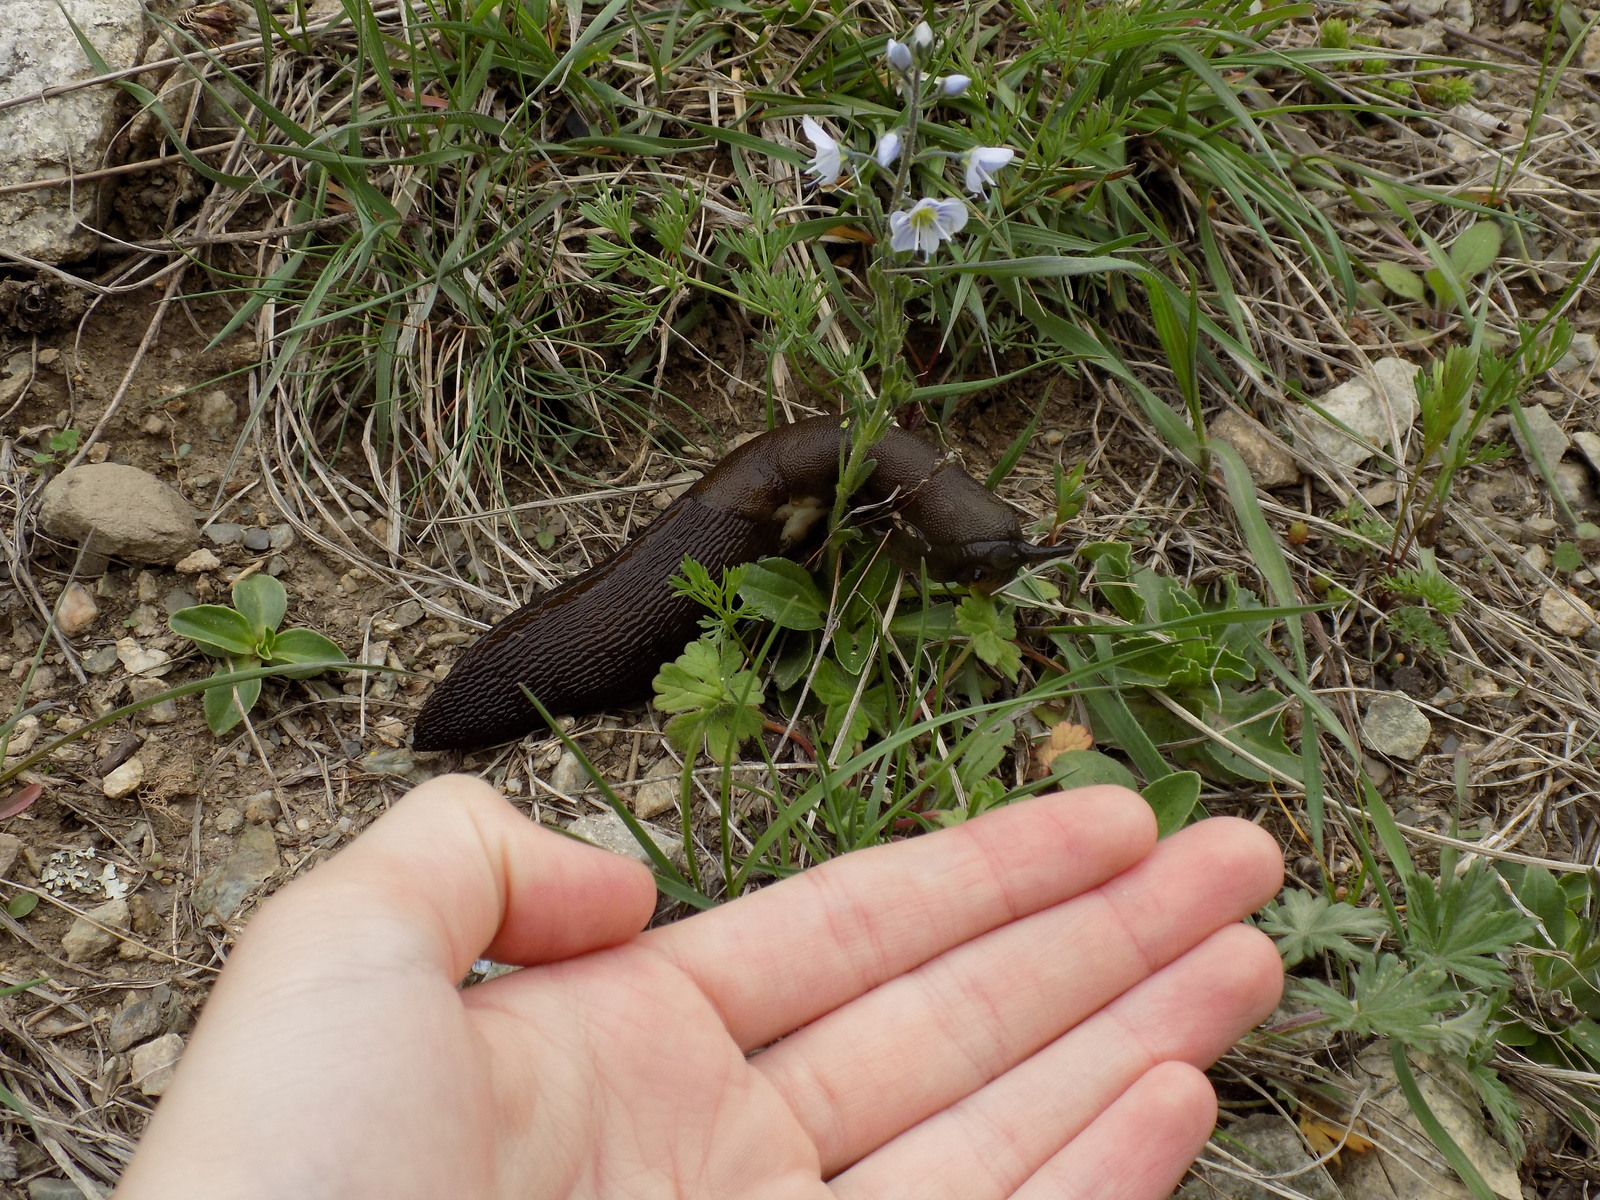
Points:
x=781 y=958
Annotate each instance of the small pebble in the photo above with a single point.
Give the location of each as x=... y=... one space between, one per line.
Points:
x=77 y=609
x=124 y=781
x=153 y=1064
x=201 y=560
x=228 y=820
x=257 y=540
x=224 y=533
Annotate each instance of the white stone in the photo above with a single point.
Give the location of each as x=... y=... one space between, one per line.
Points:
x=95 y=932
x=67 y=134
x=137 y=660
x=1566 y=614
x=1372 y=408
x=123 y=781
x=153 y=1064
x=201 y=560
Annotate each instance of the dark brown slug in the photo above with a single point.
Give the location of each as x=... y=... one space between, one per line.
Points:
x=598 y=640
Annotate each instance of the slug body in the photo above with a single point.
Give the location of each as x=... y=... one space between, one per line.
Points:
x=598 y=640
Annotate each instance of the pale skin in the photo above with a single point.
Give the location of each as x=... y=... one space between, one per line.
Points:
x=1016 y=1007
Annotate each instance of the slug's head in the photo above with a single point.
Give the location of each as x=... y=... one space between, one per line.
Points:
x=986 y=566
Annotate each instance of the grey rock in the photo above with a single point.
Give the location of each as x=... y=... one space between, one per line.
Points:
x=1371 y=407
x=1270 y=465
x=98 y=662
x=10 y=847
x=1395 y=726
x=281 y=537
x=161 y=712
x=1273 y=1147
x=224 y=533
x=658 y=791
x=1584 y=350
x=68 y=134
x=1576 y=488
x=142 y=1015
x=608 y=831
x=406 y=614
x=1589 y=446
x=153 y=1064
x=1544 y=435
x=568 y=776
x=49 y=1188
x=223 y=890
x=177 y=599
x=228 y=820
x=1404 y=1165
x=86 y=939
x=218 y=413
x=1562 y=612
x=128 y=513
x=257 y=540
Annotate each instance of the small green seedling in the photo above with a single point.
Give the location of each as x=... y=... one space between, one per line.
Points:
x=62 y=445
x=246 y=636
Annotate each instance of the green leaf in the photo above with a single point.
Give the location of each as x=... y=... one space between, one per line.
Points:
x=718 y=701
x=21 y=905
x=783 y=592
x=1400 y=281
x=214 y=629
x=1392 y=999
x=1463 y=925
x=1172 y=798
x=1566 y=557
x=305 y=646
x=1080 y=768
x=225 y=705
x=262 y=601
x=1306 y=924
x=993 y=632
x=1474 y=251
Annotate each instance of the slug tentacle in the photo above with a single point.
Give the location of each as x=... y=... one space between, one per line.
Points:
x=598 y=640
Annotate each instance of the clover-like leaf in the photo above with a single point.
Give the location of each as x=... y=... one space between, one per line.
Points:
x=993 y=632
x=214 y=629
x=262 y=601
x=719 y=702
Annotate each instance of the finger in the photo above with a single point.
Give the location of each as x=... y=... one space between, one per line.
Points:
x=460 y=873
x=773 y=961
x=1139 y=1148
x=943 y=1031
x=1190 y=1012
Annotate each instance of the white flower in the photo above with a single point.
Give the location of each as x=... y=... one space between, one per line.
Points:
x=982 y=163
x=922 y=37
x=888 y=149
x=927 y=223
x=954 y=85
x=827 y=162
x=899 y=55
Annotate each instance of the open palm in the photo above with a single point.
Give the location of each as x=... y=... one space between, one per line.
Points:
x=1014 y=1007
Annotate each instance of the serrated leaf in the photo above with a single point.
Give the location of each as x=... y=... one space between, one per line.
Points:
x=783 y=592
x=1463 y=924
x=1400 y=281
x=1474 y=251
x=214 y=629
x=718 y=700
x=993 y=631
x=1305 y=924
x=261 y=601
x=1172 y=798
x=1392 y=999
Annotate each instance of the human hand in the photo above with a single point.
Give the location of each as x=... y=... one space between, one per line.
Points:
x=1015 y=1007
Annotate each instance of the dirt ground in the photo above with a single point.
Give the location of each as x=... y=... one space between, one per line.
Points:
x=218 y=823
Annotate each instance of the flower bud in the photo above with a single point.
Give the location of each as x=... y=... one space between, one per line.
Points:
x=899 y=55
x=954 y=85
